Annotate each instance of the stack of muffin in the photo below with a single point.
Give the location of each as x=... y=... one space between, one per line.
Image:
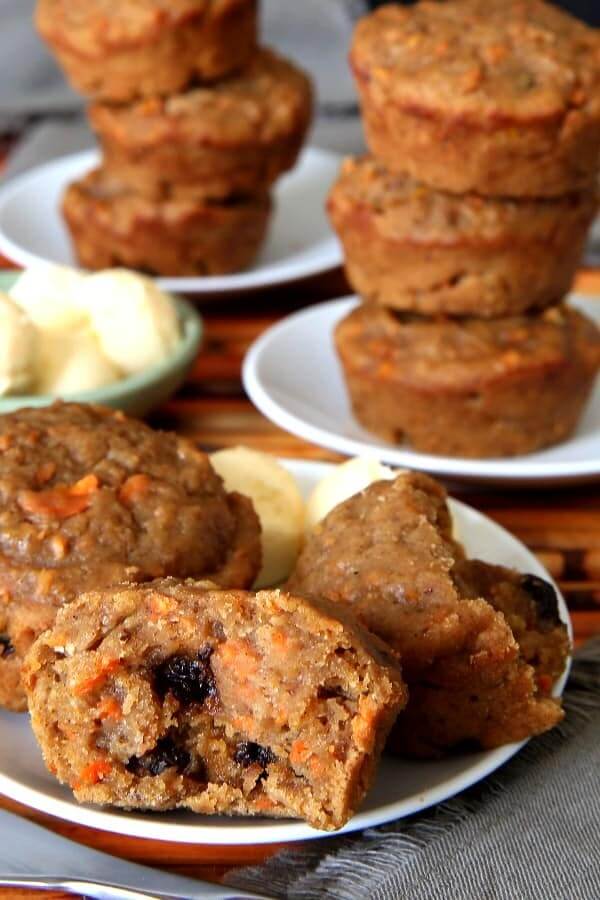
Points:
x=196 y=122
x=463 y=230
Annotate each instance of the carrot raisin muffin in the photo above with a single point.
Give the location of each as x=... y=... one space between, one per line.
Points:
x=178 y=695
x=438 y=718
x=231 y=138
x=91 y=498
x=119 y=51
x=388 y=556
x=470 y=388
x=530 y=606
x=410 y=247
x=500 y=97
x=111 y=225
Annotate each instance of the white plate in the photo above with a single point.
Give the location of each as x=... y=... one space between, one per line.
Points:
x=292 y=375
x=300 y=241
x=402 y=787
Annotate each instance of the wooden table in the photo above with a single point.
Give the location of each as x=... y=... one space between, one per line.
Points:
x=561 y=525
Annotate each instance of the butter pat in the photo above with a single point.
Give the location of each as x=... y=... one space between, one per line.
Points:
x=18 y=348
x=70 y=362
x=49 y=296
x=136 y=323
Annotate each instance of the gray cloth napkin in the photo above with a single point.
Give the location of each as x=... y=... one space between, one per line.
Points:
x=529 y=832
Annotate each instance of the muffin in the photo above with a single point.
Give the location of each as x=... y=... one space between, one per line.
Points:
x=91 y=498
x=438 y=718
x=469 y=388
x=499 y=97
x=176 y=695
x=233 y=138
x=119 y=51
x=388 y=556
x=530 y=606
x=410 y=247
x=112 y=225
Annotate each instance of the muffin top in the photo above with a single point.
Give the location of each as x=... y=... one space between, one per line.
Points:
x=409 y=211
x=86 y=486
x=125 y=209
x=270 y=100
x=518 y=59
x=458 y=355
x=88 y=27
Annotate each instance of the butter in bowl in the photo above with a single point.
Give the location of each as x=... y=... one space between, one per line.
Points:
x=111 y=338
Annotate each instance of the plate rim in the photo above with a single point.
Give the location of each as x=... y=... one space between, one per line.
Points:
x=268 y=275
x=286 y=831
x=511 y=469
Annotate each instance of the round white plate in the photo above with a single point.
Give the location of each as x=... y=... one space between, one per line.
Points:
x=300 y=241
x=402 y=787
x=293 y=376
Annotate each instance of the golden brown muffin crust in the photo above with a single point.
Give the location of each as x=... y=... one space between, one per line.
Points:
x=93 y=27
x=501 y=98
x=112 y=225
x=408 y=246
x=471 y=388
x=269 y=100
x=458 y=356
x=231 y=138
x=408 y=211
x=144 y=48
x=490 y=61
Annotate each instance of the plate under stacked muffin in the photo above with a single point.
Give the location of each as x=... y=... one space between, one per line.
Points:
x=463 y=230
x=196 y=122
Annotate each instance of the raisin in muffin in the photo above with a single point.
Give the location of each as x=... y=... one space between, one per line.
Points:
x=178 y=695
x=119 y=51
x=91 y=498
x=469 y=388
x=233 y=138
x=410 y=247
x=500 y=97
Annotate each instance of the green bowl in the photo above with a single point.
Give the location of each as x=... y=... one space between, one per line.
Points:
x=135 y=394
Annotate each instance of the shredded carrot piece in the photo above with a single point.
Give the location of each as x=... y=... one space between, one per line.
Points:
x=243 y=723
x=362 y=724
x=105 y=668
x=45 y=579
x=545 y=684
x=60 y=501
x=161 y=606
x=264 y=804
x=239 y=655
x=86 y=485
x=280 y=640
x=316 y=766
x=135 y=486
x=109 y=708
x=299 y=753
x=95 y=771
x=45 y=472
